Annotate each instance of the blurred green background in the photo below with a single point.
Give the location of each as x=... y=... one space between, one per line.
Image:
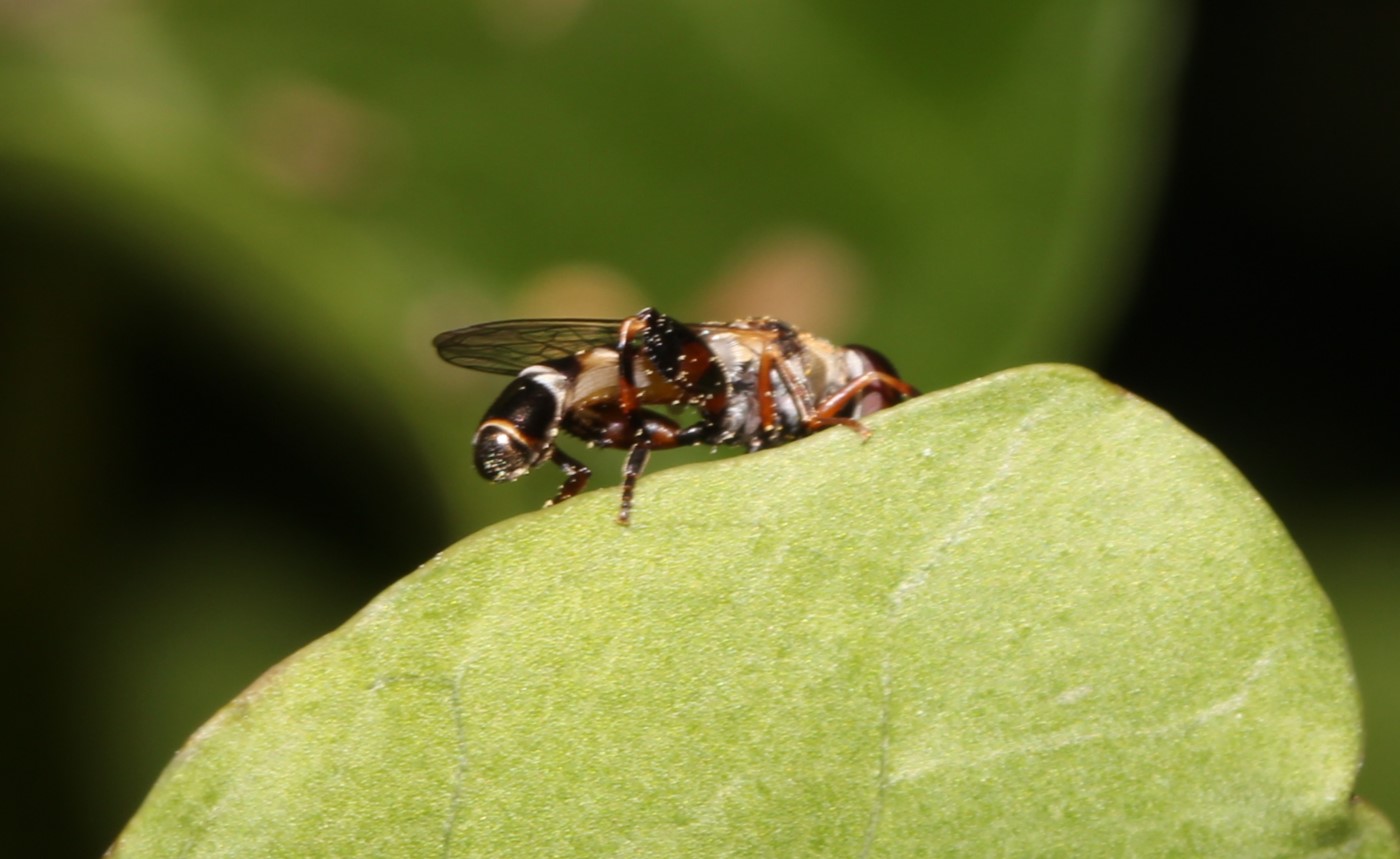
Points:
x=230 y=230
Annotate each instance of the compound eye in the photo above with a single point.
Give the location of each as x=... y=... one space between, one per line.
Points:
x=501 y=455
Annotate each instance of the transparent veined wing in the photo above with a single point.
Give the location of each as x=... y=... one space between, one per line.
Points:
x=510 y=345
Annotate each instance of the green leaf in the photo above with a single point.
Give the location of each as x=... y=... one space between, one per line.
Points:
x=1031 y=616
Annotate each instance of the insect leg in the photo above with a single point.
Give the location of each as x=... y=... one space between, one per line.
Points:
x=654 y=432
x=606 y=425
x=636 y=461
x=629 y=331
x=576 y=476
x=778 y=359
x=826 y=412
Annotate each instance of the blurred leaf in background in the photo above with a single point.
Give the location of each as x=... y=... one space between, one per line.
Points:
x=231 y=230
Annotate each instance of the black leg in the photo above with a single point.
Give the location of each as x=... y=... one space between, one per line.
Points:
x=636 y=461
x=576 y=476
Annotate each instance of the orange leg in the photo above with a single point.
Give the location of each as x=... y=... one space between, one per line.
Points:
x=827 y=409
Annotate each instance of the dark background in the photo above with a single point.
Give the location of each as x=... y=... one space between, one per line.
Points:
x=1258 y=312
x=1263 y=312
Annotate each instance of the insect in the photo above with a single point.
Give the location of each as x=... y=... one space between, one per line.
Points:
x=755 y=383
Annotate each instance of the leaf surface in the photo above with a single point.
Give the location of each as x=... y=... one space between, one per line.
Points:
x=1031 y=616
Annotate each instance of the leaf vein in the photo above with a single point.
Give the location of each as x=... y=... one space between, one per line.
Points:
x=974 y=513
x=1225 y=706
x=463 y=760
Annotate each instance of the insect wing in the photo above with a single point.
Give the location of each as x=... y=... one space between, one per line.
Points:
x=509 y=346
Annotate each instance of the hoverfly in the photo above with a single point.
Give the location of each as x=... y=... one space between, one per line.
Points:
x=756 y=383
